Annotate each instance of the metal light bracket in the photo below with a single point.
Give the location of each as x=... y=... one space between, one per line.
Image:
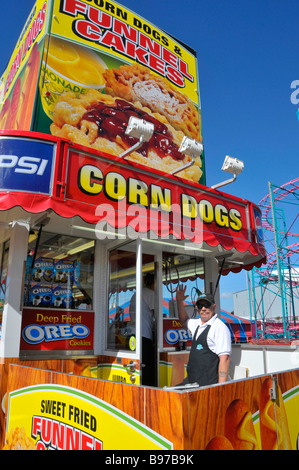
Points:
x=140 y=129
x=230 y=165
x=189 y=147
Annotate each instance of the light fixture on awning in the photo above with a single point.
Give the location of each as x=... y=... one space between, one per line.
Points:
x=189 y=147
x=230 y=165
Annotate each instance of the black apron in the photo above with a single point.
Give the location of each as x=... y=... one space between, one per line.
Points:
x=203 y=363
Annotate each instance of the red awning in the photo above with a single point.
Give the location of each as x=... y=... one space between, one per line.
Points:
x=112 y=193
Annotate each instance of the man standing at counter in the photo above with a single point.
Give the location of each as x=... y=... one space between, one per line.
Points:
x=211 y=341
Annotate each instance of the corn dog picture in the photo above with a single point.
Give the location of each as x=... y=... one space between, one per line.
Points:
x=274 y=427
x=28 y=91
x=239 y=428
x=5 y=115
x=14 y=104
x=219 y=443
x=17 y=112
x=10 y=108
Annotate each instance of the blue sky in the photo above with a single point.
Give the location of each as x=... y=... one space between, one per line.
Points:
x=247 y=59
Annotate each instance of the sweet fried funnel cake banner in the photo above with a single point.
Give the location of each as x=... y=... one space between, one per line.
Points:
x=64 y=418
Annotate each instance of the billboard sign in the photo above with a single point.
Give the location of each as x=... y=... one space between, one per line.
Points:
x=81 y=69
x=103 y=64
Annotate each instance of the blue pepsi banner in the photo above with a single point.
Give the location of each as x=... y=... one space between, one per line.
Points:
x=26 y=165
x=258 y=225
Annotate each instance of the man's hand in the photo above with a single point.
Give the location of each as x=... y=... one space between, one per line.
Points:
x=181 y=293
x=180 y=297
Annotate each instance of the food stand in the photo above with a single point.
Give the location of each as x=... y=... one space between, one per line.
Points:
x=87 y=211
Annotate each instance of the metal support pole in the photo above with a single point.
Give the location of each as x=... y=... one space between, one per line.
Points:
x=254 y=298
x=139 y=300
x=278 y=261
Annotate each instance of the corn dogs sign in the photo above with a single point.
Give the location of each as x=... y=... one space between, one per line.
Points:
x=124 y=198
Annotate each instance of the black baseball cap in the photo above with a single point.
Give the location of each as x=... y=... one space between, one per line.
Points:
x=205 y=298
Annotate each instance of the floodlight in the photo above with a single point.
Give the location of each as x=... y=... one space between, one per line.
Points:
x=189 y=147
x=230 y=165
x=140 y=129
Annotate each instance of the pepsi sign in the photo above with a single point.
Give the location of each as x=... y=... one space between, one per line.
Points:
x=258 y=225
x=26 y=165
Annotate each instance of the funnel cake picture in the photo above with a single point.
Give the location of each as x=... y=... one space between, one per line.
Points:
x=16 y=439
x=135 y=83
x=100 y=120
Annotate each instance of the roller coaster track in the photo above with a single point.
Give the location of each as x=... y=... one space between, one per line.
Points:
x=287 y=251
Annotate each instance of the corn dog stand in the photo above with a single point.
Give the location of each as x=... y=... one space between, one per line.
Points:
x=80 y=227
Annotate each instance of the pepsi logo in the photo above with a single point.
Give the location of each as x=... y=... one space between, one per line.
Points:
x=259 y=228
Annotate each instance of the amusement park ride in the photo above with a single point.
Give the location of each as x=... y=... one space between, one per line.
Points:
x=280 y=275
x=84 y=221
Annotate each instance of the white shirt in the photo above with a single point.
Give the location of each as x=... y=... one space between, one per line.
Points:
x=219 y=337
x=147 y=307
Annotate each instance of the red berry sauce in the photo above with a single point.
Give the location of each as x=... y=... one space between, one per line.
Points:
x=113 y=120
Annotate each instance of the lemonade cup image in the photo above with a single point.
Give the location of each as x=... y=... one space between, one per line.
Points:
x=68 y=66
